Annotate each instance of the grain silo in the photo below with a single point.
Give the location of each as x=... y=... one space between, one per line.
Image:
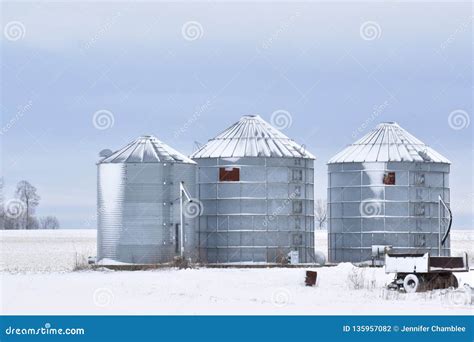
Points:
x=257 y=192
x=140 y=191
x=383 y=190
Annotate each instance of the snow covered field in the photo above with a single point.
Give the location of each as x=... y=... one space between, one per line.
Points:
x=37 y=278
x=45 y=250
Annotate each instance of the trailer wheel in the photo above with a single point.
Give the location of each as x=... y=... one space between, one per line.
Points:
x=453 y=281
x=412 y=283
x=443 y=281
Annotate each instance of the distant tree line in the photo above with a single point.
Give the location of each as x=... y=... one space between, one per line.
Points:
x=19 y=212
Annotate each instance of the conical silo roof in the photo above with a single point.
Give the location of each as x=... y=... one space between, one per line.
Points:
x=146 y=149
x=251 y=136
x=388 y=142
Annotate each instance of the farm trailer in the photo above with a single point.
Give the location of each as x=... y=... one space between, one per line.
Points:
x=422 y=272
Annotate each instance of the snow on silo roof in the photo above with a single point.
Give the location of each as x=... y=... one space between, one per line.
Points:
x=146 y=149
x=251 y=136
x=388 y=142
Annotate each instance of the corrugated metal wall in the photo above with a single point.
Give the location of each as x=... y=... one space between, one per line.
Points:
x=365 y=212
x=260 y=218
x=138 y=211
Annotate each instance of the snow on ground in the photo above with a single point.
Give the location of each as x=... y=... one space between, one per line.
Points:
x=216 y=291
x=45 y=250
x=461 y=242
x=35 y=281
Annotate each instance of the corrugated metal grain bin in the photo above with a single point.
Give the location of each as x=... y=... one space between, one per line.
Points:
x=256 y=188
x=383 y=191
x=138 y=203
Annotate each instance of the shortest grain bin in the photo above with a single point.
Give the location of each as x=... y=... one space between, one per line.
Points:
x=140 y=191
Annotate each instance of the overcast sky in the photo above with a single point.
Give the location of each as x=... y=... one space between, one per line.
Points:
x=186 y=72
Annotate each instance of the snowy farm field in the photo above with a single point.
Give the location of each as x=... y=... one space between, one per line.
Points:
x=39 y=265
x=45 y=250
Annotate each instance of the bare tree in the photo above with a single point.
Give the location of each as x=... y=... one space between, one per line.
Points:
x=49 y=222
x=26 y=193
x=320 y=212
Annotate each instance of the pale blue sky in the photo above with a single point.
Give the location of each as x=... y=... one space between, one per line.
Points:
x=309 y=59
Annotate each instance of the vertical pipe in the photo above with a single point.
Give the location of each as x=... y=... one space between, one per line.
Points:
x=182 y=193
x=176 y=238
x=439 y=225
x=181 y=217
x=197 y=228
